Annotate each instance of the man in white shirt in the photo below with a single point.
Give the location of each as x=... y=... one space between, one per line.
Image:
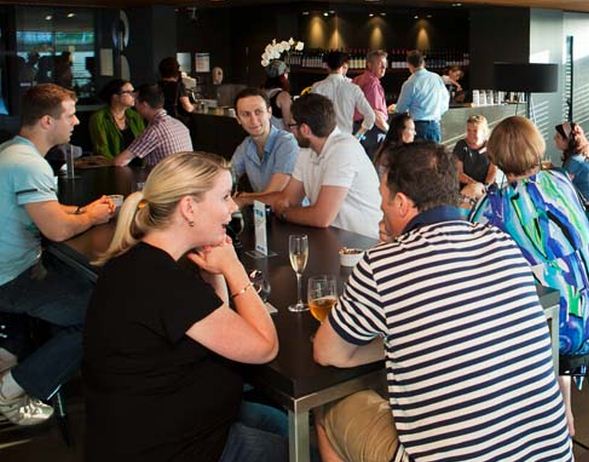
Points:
x=345 y=95
x=332 y=171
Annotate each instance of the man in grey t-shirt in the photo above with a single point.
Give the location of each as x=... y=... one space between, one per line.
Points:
x=31 y=283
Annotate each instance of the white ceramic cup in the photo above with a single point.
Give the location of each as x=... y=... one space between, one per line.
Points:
x=117 y=200
x=349 y=257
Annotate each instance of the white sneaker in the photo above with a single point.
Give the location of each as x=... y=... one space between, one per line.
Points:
x=7 y=360
x=24 y=410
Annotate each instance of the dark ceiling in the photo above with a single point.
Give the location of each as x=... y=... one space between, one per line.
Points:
x=568 y=5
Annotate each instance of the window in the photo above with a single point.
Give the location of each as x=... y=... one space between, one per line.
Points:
x=55 y=45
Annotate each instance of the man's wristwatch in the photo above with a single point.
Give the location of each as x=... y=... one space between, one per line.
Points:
x=79 y=210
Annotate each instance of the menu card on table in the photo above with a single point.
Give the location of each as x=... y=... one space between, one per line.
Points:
x=261 y=250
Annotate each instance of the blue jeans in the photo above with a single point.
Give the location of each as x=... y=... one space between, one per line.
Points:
x=428 y=130
x=258 y=436
x=54 y=293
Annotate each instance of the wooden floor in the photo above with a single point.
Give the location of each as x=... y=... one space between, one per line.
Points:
x=45 y=443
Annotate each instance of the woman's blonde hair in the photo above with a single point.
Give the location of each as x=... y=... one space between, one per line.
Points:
x=516 y=146
x=480 y=121
x=175 y=177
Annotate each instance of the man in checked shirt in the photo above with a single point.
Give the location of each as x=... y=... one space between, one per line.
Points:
x=163 y=136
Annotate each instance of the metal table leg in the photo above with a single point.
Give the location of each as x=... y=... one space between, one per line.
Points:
x=552 y=316
x=298 y=430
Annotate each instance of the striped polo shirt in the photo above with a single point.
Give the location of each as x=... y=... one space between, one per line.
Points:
x=469 y=367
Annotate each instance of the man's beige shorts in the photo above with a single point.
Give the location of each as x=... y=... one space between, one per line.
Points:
x=360 y=428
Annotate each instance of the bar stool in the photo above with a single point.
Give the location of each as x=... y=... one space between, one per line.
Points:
x=19 y=329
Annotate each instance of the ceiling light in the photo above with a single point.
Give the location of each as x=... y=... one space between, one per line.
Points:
x=429 y=16
x=48 y=17
x=383 y=14
x=331 y=11
x=305 y=13
x=370 y=15
x=325 y=14
x=71 y=15
x=416 y=17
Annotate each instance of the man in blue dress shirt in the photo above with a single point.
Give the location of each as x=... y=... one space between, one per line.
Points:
x=268 y=155
x=425 y=97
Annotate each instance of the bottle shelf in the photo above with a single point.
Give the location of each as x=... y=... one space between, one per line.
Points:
x=312 y=60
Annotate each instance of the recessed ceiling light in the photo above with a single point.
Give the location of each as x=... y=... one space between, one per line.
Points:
x=326 y=14
x=416 y=17
x=71 y=15
x=305 y=13
x=429 y=16
x=331 y=11
x=48 y=17
x=371 y=15
x=383 y=14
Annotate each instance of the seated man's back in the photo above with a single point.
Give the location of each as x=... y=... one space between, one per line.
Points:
x=469 y=365
x=164 y=134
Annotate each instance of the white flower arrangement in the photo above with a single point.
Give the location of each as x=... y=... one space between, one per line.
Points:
x=274 y=50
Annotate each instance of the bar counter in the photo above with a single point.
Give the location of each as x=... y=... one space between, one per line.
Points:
x=217 y=130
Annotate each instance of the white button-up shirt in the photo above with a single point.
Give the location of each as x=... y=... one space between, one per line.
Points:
x=345 y=96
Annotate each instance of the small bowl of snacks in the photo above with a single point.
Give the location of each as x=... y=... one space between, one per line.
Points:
x=349 y=257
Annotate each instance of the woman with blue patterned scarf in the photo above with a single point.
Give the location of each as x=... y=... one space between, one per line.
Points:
x=541 y=211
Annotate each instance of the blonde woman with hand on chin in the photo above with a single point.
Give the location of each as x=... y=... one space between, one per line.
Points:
x=161 y=339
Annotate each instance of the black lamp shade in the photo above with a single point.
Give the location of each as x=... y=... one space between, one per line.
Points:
x=526 y=77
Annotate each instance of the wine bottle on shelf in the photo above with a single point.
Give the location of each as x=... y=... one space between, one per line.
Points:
x=401 y=58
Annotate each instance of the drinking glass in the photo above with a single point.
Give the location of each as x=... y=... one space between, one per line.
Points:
x=298 y=252
x=235 y=227
x=321 y=295
x=261 y=284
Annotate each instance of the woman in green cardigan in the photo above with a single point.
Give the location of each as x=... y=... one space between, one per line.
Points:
x=116 y=125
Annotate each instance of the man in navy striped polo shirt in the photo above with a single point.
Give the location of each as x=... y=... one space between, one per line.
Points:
x=468 y=361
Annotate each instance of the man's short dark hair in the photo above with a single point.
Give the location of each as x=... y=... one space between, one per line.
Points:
x=44 y=99
x=250 y=91
x=423 y=171
x=169 y=67
x=415 y=58
x=336 y=59
x=152 y=94
x=316 y=111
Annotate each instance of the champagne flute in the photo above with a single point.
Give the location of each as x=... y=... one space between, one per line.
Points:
x=321 y=295
x=298 y=252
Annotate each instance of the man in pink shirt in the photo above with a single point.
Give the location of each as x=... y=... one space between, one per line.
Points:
x=369 y=82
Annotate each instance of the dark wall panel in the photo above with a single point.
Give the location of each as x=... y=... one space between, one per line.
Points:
x=152 y=38
x=497 y=34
